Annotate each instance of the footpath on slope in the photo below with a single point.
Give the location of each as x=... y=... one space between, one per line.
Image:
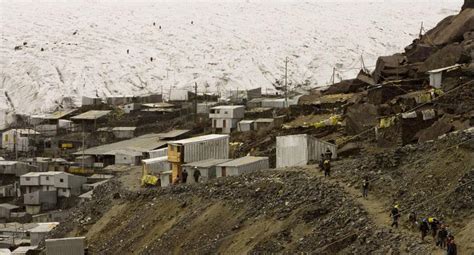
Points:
x=376 y=209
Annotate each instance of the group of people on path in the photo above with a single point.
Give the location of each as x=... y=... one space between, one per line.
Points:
x=325 y=162
x=439 y=231
x=183 y=178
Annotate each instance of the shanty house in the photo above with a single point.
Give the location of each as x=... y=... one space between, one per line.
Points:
x=155 y=166
x=246 y=125
x=241 y=166
x=65 y=184
x=158 y=153
x=436 y=76
x=128 y=108
x=87 y=101
x=69 y=245
x=18 y=139
x=120 y=100
x=15 y=168
x=207 y=168
x=180 y=95
x=124 y=132
x=150 y=98
x=38 y=201
x=196 y=149
x=299 y=150
x=90 y=119
x=7 y=209
x=225 y=118
x=106 y=154
x=127 y=157
x=9 y=190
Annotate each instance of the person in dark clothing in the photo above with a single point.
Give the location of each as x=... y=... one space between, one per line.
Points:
x=365 y=187
x=434 y=227
x=185 y=175
x=424 y=228
x=442 y=237
x=327 y=168
x=328 y=154
x=395 y=214
x=128 y=51
x=196 y=175
x=154 y=23
x=451 y=246
x=412 y=219
x=321 y=163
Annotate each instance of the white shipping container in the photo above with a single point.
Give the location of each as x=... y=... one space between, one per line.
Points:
x=298 y=150
x=204 y=147
x=158 y=153
x=241 y=166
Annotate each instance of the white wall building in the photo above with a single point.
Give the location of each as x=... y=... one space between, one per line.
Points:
x=299 y=150
x=18 y=139
x=241 y=166
x=226 y=117
x=65 y=184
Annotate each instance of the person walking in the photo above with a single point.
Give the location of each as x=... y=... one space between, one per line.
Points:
x=424 y=228
x=327 y=168
x=395 y=214
x=321 y=162
x=196 y=175
x=185 y=175
x=434 y=223
x=328 y=154
x=365 y=187
x=451 y=246
x=442 y=237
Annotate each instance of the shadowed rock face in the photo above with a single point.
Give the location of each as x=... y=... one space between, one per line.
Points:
x=468 y=4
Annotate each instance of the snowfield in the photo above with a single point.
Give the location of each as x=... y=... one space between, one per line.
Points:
x=76 y=48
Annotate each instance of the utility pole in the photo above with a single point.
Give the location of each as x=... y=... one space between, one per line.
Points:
x=195 y=102
x=421 y=30
x=333 y=75
x=286 y=82
x=83 y=145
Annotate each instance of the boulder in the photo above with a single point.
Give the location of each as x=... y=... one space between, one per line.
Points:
x=439 y=128
x=450 y=29
x=469 y=35
x=360 y=117
x=468 y=4
x=419 y=52
x=389 y=66
x=447 y=56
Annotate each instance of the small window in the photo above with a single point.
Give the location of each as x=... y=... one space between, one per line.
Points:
x=47 y=178
x=61 y=180
x=225 y=112
x=27 y=178
x=64 y=190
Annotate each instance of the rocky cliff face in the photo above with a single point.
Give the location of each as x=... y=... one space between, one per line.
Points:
x=468 y=4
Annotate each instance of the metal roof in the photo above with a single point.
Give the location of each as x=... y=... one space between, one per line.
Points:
x=198 y=139
x=91 y=115
x=49 y=173
x=44 y=227
x=247 y=121
x=228 y=107
x=124 y=128
x=264 y=120
x=242 y=161
x=154 y=160
x=24 y=131
x=159 y=105
x=141 y=144
x=55 y=115
x=173 y=133
x=448 y=68
x=207 y=163
x=9 y=206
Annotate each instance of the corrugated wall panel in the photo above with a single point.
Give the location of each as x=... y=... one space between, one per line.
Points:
x=291 y=150
x=317 y=147
x=211 y=149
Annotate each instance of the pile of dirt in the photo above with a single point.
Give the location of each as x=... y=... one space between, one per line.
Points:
x=270 y=211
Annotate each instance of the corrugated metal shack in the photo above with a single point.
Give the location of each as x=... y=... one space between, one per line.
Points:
x=158 y=153
x=246 y=125
x=241 y=166
x=155 y=166
x=124 y=132
x=196 y=149
x=70 y=246
x=299 y=150
x=207 y=168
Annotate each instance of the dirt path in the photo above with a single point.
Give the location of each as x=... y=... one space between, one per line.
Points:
x=376 y=209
